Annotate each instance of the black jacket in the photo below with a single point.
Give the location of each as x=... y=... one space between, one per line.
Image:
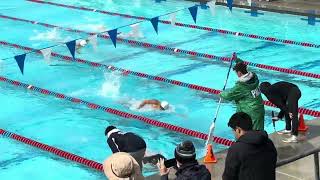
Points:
x=278 y=94
x=191 y=171
x=252 y=157
x=125 y=142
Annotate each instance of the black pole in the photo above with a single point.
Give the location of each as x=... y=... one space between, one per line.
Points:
x=316 y=166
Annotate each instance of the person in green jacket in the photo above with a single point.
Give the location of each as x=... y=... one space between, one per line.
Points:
x=246 y=95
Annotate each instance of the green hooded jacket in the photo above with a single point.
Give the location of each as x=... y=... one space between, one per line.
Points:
x=247 y=97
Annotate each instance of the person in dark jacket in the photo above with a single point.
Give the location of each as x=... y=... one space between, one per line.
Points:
x=188 y=166
x=253 y=156
x=285 y=96
x=130 y=143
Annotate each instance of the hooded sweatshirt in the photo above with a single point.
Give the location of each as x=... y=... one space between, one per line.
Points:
x=252 y=157
x=247 y=96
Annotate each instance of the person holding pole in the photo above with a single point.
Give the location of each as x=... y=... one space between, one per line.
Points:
x=246 y=95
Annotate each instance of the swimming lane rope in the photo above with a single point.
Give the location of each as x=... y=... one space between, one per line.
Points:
x=116 y=112
x=163 y=48
x=66 y=155
x=252 y=36
x=147 y=76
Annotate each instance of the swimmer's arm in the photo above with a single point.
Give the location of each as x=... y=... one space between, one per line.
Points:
x=151 y=102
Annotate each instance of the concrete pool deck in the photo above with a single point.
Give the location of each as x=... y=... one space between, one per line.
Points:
x=297 y=7
x=302 y=169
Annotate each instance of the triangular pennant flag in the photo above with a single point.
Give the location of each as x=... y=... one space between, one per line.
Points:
x=229 y=4
x=173 y=18
x=113 y=36
x=46 y=54
x=154 y=21
x=93 y=41
x=193 y=11
x=212 y=5
x=72 y=47
x=20 y=61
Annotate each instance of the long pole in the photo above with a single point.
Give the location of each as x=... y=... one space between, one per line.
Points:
x=234 y=56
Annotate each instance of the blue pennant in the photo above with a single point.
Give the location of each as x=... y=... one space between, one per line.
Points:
x=72 y=47
x=311 y=17
x=229 y=4
x=113 y=36
x=193 y=11
x=20 y=61
x=154 y=21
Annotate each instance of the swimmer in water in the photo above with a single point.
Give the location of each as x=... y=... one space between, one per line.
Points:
x=80 y=44
x=156 y=104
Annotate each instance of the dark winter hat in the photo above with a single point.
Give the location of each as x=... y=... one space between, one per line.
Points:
x=264 y=87
x=240 y=67
x=185 y=152
x=108 y=129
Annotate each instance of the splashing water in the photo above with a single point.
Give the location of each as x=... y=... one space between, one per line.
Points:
x=111 y=85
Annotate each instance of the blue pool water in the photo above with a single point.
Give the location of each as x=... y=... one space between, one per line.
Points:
x=80 y=130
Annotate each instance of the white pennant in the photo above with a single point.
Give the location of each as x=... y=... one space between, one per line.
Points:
x=93 y=41
x=173 y=18
x=46 y=54
x=212 y=5
x=249 y=2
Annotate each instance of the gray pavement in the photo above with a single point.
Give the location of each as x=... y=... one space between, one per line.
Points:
x=300 y=169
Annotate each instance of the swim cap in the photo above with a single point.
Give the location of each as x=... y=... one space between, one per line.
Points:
x=83 y=43
x=164 y=105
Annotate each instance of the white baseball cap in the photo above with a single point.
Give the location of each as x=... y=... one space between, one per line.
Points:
x=164 y=105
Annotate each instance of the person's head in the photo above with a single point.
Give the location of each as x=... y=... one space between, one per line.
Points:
x=83 y=42
x=185 y=153
x=164 y=105
x=240 y=122
x=240 y=68
x=264 y=87
x=110 y=130
x=121 y=165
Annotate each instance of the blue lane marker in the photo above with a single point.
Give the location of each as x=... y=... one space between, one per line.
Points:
x=311 y=17
x=254 y=10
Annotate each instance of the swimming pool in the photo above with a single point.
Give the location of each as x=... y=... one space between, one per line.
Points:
x=77 y=129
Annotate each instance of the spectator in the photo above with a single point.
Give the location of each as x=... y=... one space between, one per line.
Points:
x=246 y=95
x=129 y=143
x=253 y=156
x=188 y=166
x=285 y=96
x=122 y=166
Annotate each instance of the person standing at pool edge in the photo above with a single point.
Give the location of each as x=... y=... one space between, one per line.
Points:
x=246 y=95
x=285 y=96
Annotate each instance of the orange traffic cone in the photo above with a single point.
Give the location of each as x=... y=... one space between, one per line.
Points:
x=302 y=126
x=209 y=158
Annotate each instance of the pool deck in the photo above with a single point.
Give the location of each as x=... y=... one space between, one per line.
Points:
x=297 y=170
x=297 y=7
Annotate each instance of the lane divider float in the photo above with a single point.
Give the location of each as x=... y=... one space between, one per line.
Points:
x=147 y=76
x=64 y=154
x=222 y=31
x=116 y=112
x=163 y=48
